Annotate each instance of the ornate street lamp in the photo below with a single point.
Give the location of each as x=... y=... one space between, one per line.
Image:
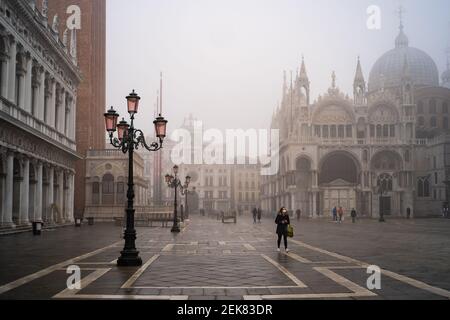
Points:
x=174 y=182
x=128 y=139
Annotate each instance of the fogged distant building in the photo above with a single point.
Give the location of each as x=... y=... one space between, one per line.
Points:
x=386 y=148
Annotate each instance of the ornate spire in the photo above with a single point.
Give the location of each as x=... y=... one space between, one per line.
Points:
x=303 y=74
x=406 y=69
x=333 y=80
x=402 y=40
x=359 y=77
x=359 y=86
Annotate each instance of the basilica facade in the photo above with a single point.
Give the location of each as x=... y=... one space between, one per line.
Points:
x=39 y=77
x=386 y=149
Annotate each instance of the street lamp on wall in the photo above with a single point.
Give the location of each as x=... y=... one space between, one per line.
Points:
x=174 y=182
x=130 y=139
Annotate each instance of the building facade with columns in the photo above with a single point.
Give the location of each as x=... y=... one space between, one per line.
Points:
x=38 y=79
x=107 y=184
x=383 y=150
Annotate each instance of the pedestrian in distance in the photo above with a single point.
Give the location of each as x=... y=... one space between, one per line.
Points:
x=282 y=221
x=334 y=211
x=255 y=213
x=353 y=214
x=341 y=214
x=298 y=213
x=259 y=212
x=408 y=213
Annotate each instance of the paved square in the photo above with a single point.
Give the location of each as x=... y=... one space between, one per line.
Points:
x=211 y=260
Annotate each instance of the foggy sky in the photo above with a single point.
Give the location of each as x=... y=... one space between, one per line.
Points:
x=223 y=60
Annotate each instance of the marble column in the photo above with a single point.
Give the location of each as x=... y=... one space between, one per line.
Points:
x=4 y=75
x=7 y=215
x=51 y=105
x=12 y=71
x=38 y=194
x=40 y=96
x=50 y=201
x=28 y=85
x=70 y=205
x=24 y=193
x=62 y=113
x=314 y=205
x=61 y=197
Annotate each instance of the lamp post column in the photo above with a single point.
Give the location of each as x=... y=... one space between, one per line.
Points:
x=130 y=256
x=175 y=227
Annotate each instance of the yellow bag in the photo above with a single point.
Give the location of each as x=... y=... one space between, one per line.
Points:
x=290 y=231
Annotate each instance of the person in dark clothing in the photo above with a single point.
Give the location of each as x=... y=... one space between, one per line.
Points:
x=255 y=213
x=408 y=213
x=259 y=212
x=282 y=221
x=334 y=214
x=299 y=213
x=353 y=214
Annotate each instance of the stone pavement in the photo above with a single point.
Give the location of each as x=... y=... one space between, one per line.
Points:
x=211 y=260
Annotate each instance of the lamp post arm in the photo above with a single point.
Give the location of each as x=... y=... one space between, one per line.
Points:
x=140 y=140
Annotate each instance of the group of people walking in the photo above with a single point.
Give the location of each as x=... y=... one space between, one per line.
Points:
x=257 y=213
x=338 y=214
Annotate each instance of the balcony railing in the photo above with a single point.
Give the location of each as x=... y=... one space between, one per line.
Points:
x=31 y=121
x=369 y=141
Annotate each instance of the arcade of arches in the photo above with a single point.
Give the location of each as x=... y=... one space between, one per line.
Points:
x=32 y=190
x=368 y=185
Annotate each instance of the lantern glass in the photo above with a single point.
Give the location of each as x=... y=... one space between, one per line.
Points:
x=188 y=180
x=111 y=120
x=122 y=129
x=160 y=127
x=133 y=102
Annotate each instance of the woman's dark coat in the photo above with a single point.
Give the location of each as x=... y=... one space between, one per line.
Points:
x=282 y=228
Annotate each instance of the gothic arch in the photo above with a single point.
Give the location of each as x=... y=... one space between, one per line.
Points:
x=339 y=165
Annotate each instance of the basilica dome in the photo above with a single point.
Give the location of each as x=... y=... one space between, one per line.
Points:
x=388 y=71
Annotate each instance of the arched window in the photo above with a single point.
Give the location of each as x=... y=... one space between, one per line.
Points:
x=120 y=192
x=385 y=182
x=423 y=187
x=420 y=188
x=407 y=156
x=420 y=107
x=95 y=192
x=445 y=108
x=433 y=122
x=421 y=121
x=108 y=189
x=433 y=106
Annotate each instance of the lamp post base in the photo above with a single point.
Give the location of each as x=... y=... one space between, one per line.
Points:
x=129 y=259
x=175 y=228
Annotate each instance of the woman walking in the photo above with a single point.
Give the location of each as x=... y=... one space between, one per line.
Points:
x=282 y=222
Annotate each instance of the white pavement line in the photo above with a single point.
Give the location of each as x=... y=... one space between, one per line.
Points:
x=286 y=272
x=194 y=243
x=139 y=272
x=417 y=284
x=298 y=258
x=222 y=243
x=68 y=293
x=19 y=282
x=126 y=297
x=168 y=247
x=332 y=254
x=356 y=289
x=248 y=246
x=399 y=277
